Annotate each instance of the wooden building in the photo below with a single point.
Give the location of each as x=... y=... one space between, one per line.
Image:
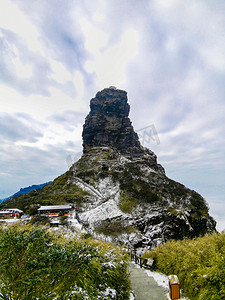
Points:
x=55 y=210
x=10 y=213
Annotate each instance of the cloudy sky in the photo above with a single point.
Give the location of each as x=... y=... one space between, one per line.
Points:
x=168 y=55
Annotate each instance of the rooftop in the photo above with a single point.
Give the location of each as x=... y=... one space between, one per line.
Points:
x=55 y=207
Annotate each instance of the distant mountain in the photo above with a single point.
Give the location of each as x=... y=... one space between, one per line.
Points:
x=26 y=190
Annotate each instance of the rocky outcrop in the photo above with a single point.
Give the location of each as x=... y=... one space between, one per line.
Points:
x=142 y=207
x=108 y=125
x=146 y=206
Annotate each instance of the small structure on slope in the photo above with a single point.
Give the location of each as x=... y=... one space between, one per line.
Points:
x=55 y=210
x=10 y=213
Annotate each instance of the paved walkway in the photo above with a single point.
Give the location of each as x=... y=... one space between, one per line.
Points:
x=145 y=287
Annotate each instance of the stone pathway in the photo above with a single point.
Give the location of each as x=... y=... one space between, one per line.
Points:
x=145 y=287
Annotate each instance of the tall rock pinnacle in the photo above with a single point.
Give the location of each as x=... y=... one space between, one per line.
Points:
x=120 y=189
x=108 y=124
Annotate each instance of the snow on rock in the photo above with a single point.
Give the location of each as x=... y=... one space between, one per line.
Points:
x=73 y=221
x=147 y=170
x=123 y=160
x=104 y=211
x=108 y=188
x=88 y=188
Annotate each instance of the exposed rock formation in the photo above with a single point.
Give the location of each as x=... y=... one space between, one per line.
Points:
x=143 y=206
x=108 y=125
x=138 y=206
x=120 y=190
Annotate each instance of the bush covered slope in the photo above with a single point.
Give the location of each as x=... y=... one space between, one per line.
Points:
x=199 y=264
x=57 y=192
x=37 y=264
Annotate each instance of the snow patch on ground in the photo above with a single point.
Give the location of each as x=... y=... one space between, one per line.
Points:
x=9 y=221
x=73 y=221
x=162 y=280
x=132 y=297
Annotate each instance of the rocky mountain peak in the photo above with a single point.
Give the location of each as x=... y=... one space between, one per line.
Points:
x=108 y=124
x=120 y=191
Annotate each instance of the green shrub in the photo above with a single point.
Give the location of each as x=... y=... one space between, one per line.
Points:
x=198 y=205
x=199 y=264
x=127 y=203
x=63 y=220
x=40 y=220
x=114 y=228
x=36 y=264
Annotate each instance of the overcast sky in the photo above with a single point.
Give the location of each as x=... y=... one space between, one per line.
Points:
x=168 y=55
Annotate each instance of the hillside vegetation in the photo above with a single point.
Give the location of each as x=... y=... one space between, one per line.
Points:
x=38 y=264
x=199 y=264
x=57 y=192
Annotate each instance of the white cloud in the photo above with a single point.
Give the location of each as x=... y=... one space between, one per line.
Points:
x=21 y=69
x=78 y=80
x=109 y=62
x=37 y=105
x=60 y=72
x=13 y=19
x=95 y=38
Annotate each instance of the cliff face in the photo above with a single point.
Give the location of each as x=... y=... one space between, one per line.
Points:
x=108 y=124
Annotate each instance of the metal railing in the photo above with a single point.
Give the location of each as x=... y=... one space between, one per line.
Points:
x=139 y=260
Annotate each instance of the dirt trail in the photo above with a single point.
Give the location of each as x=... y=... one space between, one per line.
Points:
x=145 y=287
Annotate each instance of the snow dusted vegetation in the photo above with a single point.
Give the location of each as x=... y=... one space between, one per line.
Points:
x=199 y=264
x=41 y=263
x=129 y=200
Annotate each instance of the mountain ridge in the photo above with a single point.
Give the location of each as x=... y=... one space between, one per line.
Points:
x=26 y=190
